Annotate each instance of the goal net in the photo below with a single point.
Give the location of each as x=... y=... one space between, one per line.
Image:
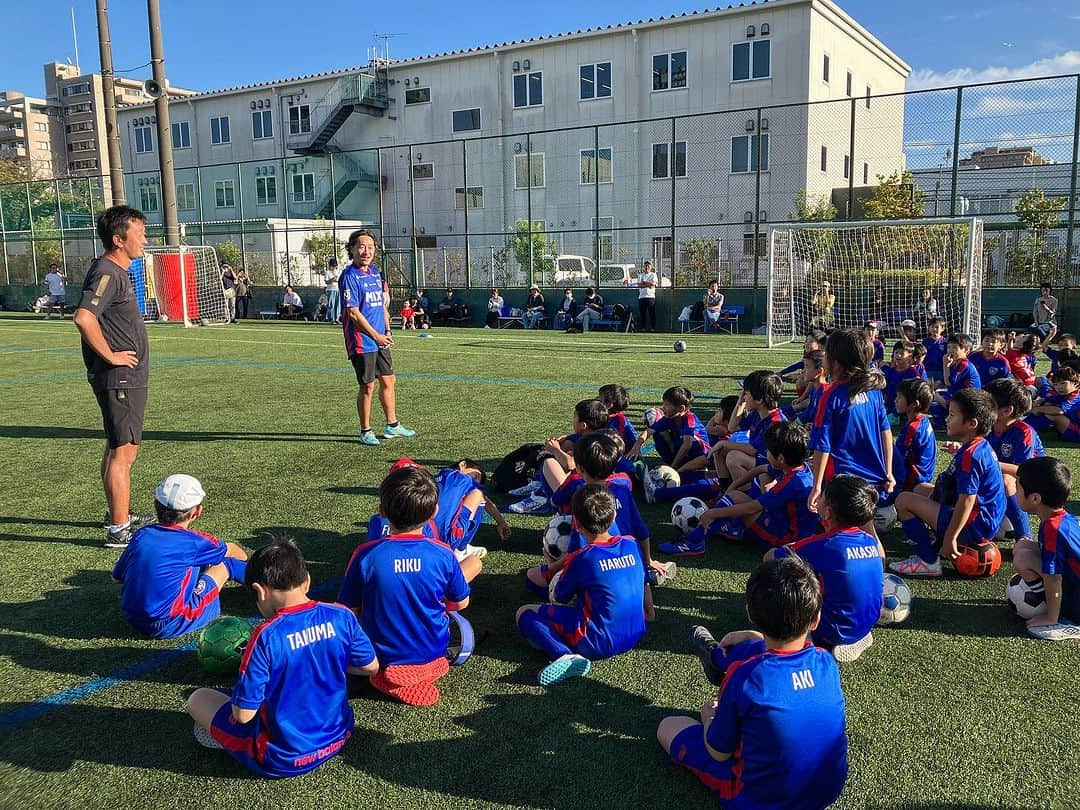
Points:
x=841 y=275
x=182 y=284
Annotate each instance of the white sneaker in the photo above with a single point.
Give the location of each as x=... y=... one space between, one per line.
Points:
x=915 y=566
x=846 y=653
x=470 y=551
x=528 y=489
x=563 y=667
x=1062 y=631
x=533 y=505
x=203 y=738
x=662 y=574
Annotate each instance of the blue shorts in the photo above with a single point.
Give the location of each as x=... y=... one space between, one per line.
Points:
x=970 y=535
x=688 y=749
x=198 y=606
x=247 y=743
x=569 y=623
x=463 y=527
x=1072 y=433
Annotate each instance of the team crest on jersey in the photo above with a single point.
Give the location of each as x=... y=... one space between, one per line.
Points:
x=1006 y=449
x=200 y=586
x=346 y=294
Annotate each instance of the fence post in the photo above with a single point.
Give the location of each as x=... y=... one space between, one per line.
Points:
x=465 y=180
x=333 y=203
x=60 y=222
x=1070 y=233
x=757 y=207
x=3 y=240
x=379 y=182
x=412 y=211
x=528 y=204
x=240 y=209
x=288 y=255
x=671 y=167
x=33 y=243
x=956 y=150
x=491 y=259
x=596 y=201
x=851 y=166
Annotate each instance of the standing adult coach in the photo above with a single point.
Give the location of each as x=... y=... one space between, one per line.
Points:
x=366 y=299
x=117 y=357
x=646 y=302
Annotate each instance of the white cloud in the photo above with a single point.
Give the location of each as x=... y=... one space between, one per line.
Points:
x=1067 y=62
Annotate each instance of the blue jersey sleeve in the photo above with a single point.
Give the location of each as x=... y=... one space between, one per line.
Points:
x=724 y=731
x=250 y=689
x=361 y=651
x=351 y=294
x=569 y=581
x=820 y=440
x=629 y=518
x=206 y=550
x=457 y=589
x=968 y=476
x=120 y=569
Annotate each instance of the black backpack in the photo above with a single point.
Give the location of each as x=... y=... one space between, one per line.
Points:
x=697 y=311
x=518 y=467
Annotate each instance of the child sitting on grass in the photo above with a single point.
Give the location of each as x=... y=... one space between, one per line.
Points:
x=289 y=711
x=960 y=374
x=170 y=575
x=617 y=399
x=915 y=451
x=718 y=426
x=597 y=596
x=761 y=395
x=1021 y=357
x=679 y=436
x=774 y=736
x=1061 y=409
x=1043 y=486
x=901 y=368
x=990 y=361
x=809 y=389
x=936 y=345
x=1014 y=442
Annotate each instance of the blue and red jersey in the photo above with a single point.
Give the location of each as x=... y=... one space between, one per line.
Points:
x=1017 y=443
x=784 y=517
x=159 y=569
x=962 y=374
x=1059 y=539
x=935 y=356
x=454 y=528
x=293 y=675
x=628 y=519
x=1053 y=355
x=758 y=431
x=606 y=583
x=400 y=586
x=974 y=470
x=365 y=290
x=621 y=425
x=781 y=717
x=849 y=565
x=686 y=425
x=914 y=454
x=851 y=431
x=893 y=378
x=990 y=368
x=879 y=352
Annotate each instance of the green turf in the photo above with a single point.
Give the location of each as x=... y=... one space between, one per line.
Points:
x=954 y=708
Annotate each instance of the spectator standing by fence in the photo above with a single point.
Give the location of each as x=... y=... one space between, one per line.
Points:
x=1044 y=312
x=243 y=293
x=54 y=288
x=333 y=294
x=228 y=286
x=647 y=283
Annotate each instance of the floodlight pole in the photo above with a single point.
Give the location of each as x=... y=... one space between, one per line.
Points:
x=164 y=128
x=116 y=194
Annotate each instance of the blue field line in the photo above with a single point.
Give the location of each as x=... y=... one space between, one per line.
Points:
x=75 y=694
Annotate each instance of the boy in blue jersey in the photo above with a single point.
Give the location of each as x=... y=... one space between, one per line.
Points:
x=1065 y=342
x=936 y=345
x=774 y=736
x=809 y=388
x=776 y=516
x=901 y=368
x=1014 y=442
x=289 y=711
x=366 y=319
x=617 y=399
x=960 y=374
x=872 y=329
x=848 y=561
x=1061 y=409
x=170 y=575
x=1043 y=485
x=968 y=503
x=761 y=395
x=680 y=437
x=597 y=598
x=915 y=450
x=402 y=588
x=990 y=361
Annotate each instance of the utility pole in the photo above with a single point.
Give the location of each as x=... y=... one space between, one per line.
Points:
x=158 y=87
x=116 y=195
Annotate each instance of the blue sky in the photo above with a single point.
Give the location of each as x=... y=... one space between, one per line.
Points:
x=212 y=44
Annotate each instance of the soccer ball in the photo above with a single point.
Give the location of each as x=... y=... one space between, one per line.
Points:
x=885 y=518
x=220 y=645
x=895 y=600
x=686 y=513
x=1004 y=530
x=680 y=346
x=1025 y=600
x=551 y=587
x=982 y=560
x=665 y=477
x=557 y=537
x=651 y=415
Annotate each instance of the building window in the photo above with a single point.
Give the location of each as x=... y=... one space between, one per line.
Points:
x=185 y=196
x=80 y=89
x=865 y=173
x=223 y=194
x=529 y=170
x=528 y=90
x=466 y=120
x=426 y=242
x=74 y=146
x=593 y=171
x=849 y=84
x=40 y=126
x=148 y=199
x=423 y=171
x=262 y=125
x=418 y=95
x=144 y=140
x=475 y=197
x=751 y=60
x=825 y=69
x=82 y=126
x=303 y=187
x=748 y=244
x=847 y=166
x=594 y=81
x=669 y=71
x=266 y=191
x=181 y=135
x=661 y=250
x=605 y=235
x=824 y=158
x=219 y=130
x=44 y=146
x=744 y=153
x=868 y=97
x=661 y=160
x=299 y=119
x=82 y=107
x=80 y=165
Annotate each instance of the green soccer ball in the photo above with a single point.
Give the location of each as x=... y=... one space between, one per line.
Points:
x=221 y=643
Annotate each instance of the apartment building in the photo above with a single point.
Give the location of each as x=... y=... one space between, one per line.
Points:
x=30 y=133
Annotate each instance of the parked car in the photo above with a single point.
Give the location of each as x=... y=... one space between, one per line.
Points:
x=580 y=271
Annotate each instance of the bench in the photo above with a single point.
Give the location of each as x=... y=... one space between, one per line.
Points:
x=607 y=320
x=509 y=318
x=727 y=322
x=268 y=314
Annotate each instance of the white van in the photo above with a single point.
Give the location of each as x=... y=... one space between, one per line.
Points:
x=580 y=271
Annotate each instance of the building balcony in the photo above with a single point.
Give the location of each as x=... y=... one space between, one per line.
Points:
x=10 y=133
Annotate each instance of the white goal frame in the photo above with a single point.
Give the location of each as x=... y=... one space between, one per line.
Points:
x=203 y=302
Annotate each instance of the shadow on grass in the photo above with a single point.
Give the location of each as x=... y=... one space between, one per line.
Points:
x=70 y=433
x=28 y=521
x=89 y=608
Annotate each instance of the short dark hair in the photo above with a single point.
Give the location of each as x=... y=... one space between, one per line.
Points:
x=1069 y=358
x=408 y=497
x=1065 y=336
x=992 y=332
x=789 y=441
x=679 y=396
x=765 y=386
x=593 y=508
x=816 y=358
x=918 y=394
x=592 y=412
x=919 y=350
x=597 y=454
x=1047 y=477
x=350 y=243
x=852 y=500
x=961 y=340
x=278 y=566
x=975 y=404
x=115 y=221
x=615 y=437
x=903 y=346
x=783 y=597
x=1008 y=391
x=1047 y=285
x=1030 y=342
x=170 y=517
x=615 y=396
x=1065 y=373
x=728 y=405
x=473 y=464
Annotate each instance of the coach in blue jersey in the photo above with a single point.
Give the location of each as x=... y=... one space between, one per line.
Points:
x=366 y=298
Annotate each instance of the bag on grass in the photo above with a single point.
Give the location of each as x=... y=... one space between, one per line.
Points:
x=518 y=467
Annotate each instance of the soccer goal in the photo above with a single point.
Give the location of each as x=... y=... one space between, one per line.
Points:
x=841 y=275
x=183 y=284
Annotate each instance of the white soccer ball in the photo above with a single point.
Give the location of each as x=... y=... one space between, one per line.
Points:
x=686 y=513
x=1004 y=530
x=651 y=415
x=895 y=600
x=551 y=588
x=1025 y=600
x=885 y=518
x=665 y=477
x=556 y=538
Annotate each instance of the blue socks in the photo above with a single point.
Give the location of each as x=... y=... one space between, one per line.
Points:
x=1019 y=519
x=236 y=569
x=919 y=534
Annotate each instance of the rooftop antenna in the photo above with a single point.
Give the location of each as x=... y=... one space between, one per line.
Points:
x=386 y=44
x=75 y=37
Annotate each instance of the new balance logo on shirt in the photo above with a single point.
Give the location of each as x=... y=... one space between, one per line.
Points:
x=309 y=635
x=410 y=565
x=614 y=563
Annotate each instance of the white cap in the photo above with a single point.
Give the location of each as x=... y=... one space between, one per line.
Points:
x=180 y=492
x=908 y=322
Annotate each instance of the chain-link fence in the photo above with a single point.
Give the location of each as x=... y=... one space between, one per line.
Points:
x=694 y=195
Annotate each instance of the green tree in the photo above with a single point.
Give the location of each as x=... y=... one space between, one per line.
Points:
x=321 y=248
x=13 y=170
x=228 y=252
x=1039 y=215
x=895 y=197
x=813 y=245
x=528 y=243
x=700 y=262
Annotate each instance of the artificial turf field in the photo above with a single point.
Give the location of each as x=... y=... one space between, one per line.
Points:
x=954 y=708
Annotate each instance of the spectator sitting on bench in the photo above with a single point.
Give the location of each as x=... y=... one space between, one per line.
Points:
x=292 y=306
x=420 y=315
x=494 y=309
x=713 y=306
x=535 y=310
x=451 y=308
x=591 y=310
x=567 y=310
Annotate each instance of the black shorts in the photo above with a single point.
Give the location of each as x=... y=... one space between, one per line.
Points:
x=370 y=365
x=122 y=414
